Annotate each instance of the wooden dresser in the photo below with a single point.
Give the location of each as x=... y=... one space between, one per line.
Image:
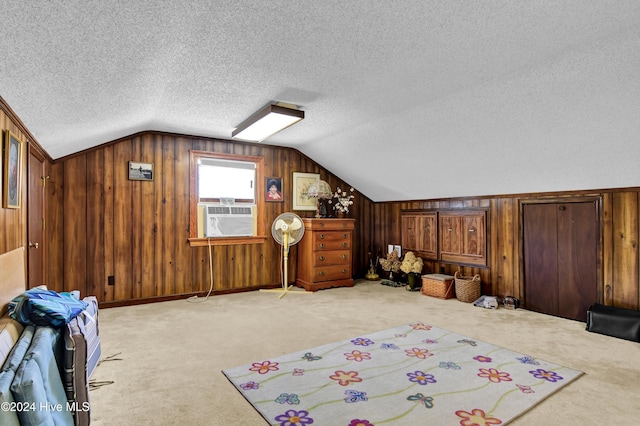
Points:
x=325 y=254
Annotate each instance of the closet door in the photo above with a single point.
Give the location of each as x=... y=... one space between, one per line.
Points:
x=560 y=258
x=577 y=259
x=541 y=258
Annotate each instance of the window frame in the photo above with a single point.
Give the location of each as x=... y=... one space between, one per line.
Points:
x=260 y=236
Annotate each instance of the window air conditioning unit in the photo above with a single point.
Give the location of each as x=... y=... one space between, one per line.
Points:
x=228 y=221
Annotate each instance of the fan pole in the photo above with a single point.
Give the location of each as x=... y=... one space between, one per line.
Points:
x=284 y=225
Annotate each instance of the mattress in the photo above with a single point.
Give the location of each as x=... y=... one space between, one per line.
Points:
x=81 y=356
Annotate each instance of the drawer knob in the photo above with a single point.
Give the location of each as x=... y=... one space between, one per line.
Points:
x=321 y=257
x=322 y=236
x=344 y=271
x=321 y=273
x=344 y=244
x=344 y=235
x=344 y=256
x=321 y=245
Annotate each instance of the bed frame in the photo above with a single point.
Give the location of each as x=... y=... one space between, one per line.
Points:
x=13 y=277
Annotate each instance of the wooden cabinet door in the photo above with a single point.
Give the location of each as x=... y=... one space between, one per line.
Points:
x=449 y=235
x=420 y=234
x=473 y=235
x=427 y=226
x=409 y=234
x=463 y=237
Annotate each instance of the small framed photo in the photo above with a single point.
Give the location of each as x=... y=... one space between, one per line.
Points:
x=273 y=189
x=140 y=171
x=301 y=183
x=12 y=175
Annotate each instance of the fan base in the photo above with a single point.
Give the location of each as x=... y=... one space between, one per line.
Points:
x=285 y=291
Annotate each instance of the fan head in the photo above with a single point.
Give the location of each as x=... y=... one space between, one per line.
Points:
x=287 y=223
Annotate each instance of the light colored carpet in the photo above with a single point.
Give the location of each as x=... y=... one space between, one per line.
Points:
x=173 y=352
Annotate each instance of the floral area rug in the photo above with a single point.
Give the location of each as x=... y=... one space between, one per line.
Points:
x=409 y=375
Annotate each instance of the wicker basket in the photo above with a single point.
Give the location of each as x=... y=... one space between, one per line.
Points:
x=438 y=285
x=467 y=288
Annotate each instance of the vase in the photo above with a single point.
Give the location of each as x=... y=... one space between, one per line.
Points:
x=341 y=215
x=414 y=280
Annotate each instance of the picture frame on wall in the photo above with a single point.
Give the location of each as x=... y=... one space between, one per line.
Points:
x=273 y=190
x=140 y=171
x=12 y=174
x=301 y=183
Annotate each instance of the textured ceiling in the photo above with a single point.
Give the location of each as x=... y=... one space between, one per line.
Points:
x=403 y=99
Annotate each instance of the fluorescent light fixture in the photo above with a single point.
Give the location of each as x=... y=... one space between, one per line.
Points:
x=266 y=122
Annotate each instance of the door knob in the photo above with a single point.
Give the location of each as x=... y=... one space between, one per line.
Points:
x=33 y=245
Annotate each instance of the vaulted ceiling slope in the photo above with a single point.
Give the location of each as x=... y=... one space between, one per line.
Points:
x=404 y=100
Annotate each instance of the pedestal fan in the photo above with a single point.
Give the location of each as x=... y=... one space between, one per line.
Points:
x=287 y=229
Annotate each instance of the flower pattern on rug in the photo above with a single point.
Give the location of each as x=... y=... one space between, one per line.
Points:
x=345 y=378
x=264 y=367
x=546 y=375
x=357 y=356
x=476 y=417
x=359 y=422
x=342 y=383
x=294 y=418
x=362 y=341
x=494 y=375
x=421 y=378
x=418 y=353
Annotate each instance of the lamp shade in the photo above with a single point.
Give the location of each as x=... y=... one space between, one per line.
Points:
x=319 y=189
x=266 y=122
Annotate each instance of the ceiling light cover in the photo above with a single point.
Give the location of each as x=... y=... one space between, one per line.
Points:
x=266 y=122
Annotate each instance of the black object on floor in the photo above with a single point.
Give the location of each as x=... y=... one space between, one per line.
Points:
x=615 y=322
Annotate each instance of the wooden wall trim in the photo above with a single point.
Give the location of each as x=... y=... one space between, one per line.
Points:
x=33 y=142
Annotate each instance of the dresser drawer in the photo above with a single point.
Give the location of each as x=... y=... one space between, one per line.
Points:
x=330 y=273
x=331 y=257
x=331 y=240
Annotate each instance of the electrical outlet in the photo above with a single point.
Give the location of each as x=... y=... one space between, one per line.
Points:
x=111 y=280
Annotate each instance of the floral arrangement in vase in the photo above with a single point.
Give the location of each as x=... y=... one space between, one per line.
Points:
x=411 y=263
x=412 y=266
x=343 y=200
x=391 y=264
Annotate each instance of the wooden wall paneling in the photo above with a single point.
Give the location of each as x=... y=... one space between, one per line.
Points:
x=122 y=222
x=75 y=231
x=136 y=238
x=148 y=219
x=503 y=251
x=95 y=251
x=169 y=216
x=184 y=279
x=625 y=250
x=156 y=289
x=108 y=187
x=607 y=251
x=54 y=226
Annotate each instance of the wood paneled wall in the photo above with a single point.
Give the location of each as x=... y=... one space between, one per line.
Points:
x=101 y=224
x=13 y=222
x=618 y=248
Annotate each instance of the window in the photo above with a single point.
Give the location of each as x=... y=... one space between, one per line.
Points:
x=226 y=199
